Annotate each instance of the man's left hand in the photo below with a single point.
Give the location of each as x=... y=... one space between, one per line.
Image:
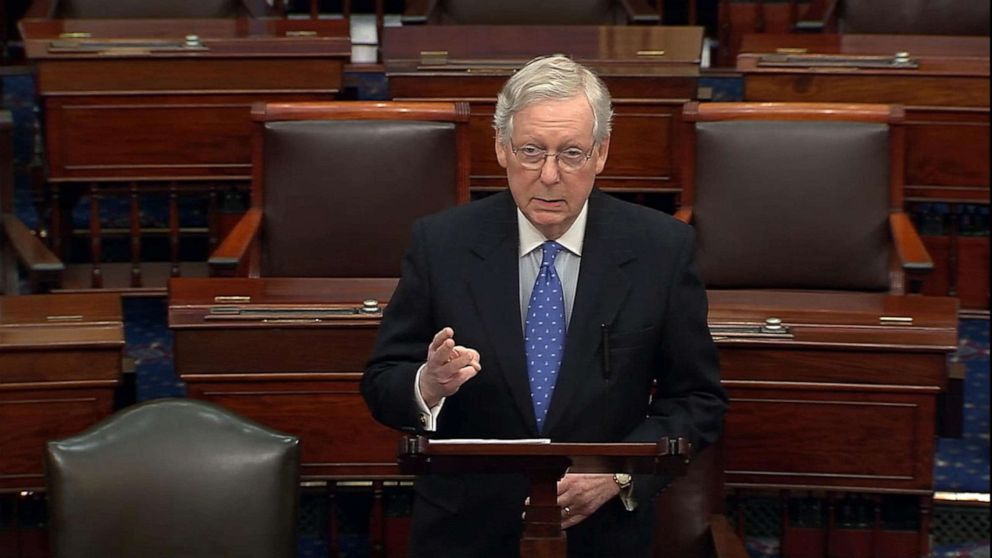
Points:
x=580 y=495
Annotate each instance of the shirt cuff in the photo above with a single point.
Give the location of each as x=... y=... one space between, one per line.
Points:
x=427 y=415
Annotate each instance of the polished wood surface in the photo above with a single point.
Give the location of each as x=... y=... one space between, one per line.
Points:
x=650 y=71
x=844 y=400
x=291 y=368
x=60 y=362
x=947 y=122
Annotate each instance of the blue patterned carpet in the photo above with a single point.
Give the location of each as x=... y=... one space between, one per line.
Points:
x=963 y=463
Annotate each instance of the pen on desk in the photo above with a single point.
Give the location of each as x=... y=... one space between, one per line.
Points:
x=605 y=330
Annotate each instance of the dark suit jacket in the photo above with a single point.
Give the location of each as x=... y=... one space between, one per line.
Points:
x=636 y=276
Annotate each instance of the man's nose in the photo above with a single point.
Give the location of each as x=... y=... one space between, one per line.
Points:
x=549 y=171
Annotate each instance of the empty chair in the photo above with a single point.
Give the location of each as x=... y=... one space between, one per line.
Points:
x=170 y=478
x=799 y=196
x=336 y=186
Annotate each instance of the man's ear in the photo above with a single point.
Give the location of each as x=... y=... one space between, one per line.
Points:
x=501 y=152
x=602 y=150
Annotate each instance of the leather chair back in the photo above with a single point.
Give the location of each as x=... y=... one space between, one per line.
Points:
x=173 y=477
x=340 y=194
x=914 y=17
x=793 y=204
x=523 y=12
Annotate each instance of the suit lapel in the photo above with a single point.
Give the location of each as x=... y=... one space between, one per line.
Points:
x=601 y=289
x=495 y=287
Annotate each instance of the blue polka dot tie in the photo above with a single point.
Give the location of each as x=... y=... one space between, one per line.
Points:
x=544 y=335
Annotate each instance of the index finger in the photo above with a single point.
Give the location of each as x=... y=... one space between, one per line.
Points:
x=440 y=337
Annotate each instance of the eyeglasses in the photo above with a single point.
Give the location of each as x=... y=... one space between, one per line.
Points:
x=532 y=157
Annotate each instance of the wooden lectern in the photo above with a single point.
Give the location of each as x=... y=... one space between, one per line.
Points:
x=544 y=463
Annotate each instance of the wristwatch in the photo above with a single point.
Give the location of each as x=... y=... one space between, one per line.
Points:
x=623 y=480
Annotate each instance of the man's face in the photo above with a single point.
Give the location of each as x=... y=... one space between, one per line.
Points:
x=552 y=196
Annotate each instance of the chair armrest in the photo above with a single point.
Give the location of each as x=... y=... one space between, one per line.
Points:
x=30 y=250
x=230 y=255
x=684 y=214
x=726 y=543
x=817 y=17
x=910 y=252
x=640 y=12
x=909 y=246
x=417 y=12
x=44 y=269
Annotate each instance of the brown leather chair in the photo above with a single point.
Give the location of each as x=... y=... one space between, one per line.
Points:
x=691 y=521
x=909 y=17
x=173 y=477
x=523 y=12
x=17 y=244
x=148 y=9
x=336 y=186
x=799 y=196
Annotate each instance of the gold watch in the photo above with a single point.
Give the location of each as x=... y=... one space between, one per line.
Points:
x=623 y=480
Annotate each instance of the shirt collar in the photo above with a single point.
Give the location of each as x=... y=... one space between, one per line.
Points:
x=531 y=238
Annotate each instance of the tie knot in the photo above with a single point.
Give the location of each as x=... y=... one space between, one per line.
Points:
x=549 y=251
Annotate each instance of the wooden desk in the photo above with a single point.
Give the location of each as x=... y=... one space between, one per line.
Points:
x=60 y=361
x=650 y=71
x=133 y=106
x=293 y=368
x=844 y=402
x=286 y=366
x=947 y=124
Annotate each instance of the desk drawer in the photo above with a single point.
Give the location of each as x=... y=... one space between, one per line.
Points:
x=339 y=438
x=830 y=436
x=282 y=350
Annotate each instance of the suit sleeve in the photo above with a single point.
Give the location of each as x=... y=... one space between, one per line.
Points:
x=388 y=383
x=688 y=399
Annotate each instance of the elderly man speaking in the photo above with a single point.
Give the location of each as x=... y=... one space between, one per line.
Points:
x=549 y=310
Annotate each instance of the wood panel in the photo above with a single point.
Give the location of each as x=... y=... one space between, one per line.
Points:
x=339 y=439
x=60 y=363
x=33 y=416
x=275 y=74
x=648 y=88
x=868 y=440
x=162 y=108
